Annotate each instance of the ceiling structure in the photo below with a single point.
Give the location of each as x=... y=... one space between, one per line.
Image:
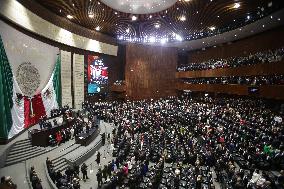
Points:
x=139 y=6
x=168 y=21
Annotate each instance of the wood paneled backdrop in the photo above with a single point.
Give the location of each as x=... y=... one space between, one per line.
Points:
x=150 y=71
x=265 y=91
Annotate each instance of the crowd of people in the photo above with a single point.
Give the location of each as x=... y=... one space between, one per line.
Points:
x=6 y=182
x=79 y=125
x=60 y=111
x=119 y=82
x=64 y=180
x=240 y=80
x=235 y=137
x=63 y=114
x=257 y=58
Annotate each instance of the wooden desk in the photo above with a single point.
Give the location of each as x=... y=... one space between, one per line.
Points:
x=86 y=138
x=40 y=137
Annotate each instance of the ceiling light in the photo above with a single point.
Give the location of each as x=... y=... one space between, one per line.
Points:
x=237 y=5
x=163 y=41
x=134 y=18
x=178 y=37
x=127 y=30
x=248 y=17
x=98 y=28
x=152 y=39
x=157 y=25
x=182 y=18
x=91 y=15
x=69 y=16
x=212 y=28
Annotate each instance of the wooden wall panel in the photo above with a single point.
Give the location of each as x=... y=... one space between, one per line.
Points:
x=272 y=91
x=268 y=40
x=259 y=69
x=118 y=88
x=150 y=71
x=267 y=91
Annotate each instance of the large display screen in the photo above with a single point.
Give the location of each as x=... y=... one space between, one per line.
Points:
x=97 y=75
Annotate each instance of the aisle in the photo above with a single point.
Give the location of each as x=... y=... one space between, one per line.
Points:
x=106 y=157
x=39 y=162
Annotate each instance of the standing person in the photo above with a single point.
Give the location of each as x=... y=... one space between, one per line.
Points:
x=103 y=138
x=84 y=170
x=98 y=160
x=99 y=177
x=105 y=172
x=108 y=138
x=76 y=170
x=58 y=137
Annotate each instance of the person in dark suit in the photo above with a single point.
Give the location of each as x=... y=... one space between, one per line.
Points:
x=87 y=128
x=98 y=160
x=99 y=177
x=84 y=170
x=105 y=172
x=76 y=170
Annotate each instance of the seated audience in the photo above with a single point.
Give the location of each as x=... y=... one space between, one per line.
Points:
x=257 y=58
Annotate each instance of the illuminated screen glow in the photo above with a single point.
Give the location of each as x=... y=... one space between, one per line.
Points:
x=97 y=75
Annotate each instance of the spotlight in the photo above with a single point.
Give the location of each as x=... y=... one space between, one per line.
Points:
x=212 y=28
x=98 y=28
x=134 y=18
x=69 y=16
x=163 y=41
x=152 y=39
x=182 y=18
x=178 y=37
x=157 y=26
x=237 y=5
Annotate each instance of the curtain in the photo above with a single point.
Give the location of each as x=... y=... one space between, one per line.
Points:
x=57 y=81
x=6 y=93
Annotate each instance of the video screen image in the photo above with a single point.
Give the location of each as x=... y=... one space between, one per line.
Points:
x=97 y=75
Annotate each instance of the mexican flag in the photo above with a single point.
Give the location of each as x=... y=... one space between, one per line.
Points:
x=17 y=111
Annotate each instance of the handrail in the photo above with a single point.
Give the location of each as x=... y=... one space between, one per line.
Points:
x=51 y=183
x=83 y=157
x=79 y=160
x=27 y=175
